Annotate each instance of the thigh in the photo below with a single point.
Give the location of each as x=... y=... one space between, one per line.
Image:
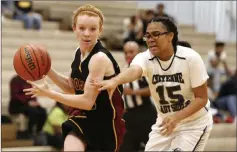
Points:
x=29 y=111
x=191 y=140
x=73 y=143
x=157 y=142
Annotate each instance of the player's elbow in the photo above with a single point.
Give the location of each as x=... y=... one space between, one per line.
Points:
x=204 y=100
x=88 y=107
x=89 y=103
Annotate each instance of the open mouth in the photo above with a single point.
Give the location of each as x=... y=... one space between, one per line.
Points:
x=86 y=41
x=153 y=46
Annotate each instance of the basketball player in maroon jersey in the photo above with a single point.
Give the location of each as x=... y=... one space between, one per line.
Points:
x=95 y=121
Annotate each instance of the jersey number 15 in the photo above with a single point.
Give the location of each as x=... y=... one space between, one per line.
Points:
x=174 y=98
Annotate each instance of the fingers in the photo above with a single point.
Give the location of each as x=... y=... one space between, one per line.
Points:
x=96 y=83
x=31 y=91
x=163 y=123
x=35 y=95
x=167 y=127
x=169 y=130
x=166 y=131
x=103 y=88
x=32 y=83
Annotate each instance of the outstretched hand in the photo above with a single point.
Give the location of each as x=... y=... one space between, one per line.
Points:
x=109 y=85
x=38 y=90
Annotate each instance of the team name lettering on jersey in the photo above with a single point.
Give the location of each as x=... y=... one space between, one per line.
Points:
x=78 y=84
x=178 y=77
x=174 y=107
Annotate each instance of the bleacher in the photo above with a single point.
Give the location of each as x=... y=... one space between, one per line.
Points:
x=62 y=44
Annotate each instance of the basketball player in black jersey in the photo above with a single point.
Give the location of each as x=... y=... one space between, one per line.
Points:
x=95 y=121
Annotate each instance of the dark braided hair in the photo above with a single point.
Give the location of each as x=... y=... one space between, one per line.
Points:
x=184 y=43
x=170 y=26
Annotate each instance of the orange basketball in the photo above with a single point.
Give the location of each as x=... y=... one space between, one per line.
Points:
x=31 y=62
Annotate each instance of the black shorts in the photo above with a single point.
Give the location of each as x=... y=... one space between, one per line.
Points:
x=103 y=136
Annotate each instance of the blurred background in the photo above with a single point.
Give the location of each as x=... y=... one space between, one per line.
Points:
x=209 y=26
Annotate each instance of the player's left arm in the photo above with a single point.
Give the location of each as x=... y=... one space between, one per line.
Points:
x=198 y=103
x=97 y=68
x=143 y=91
x=198 y=80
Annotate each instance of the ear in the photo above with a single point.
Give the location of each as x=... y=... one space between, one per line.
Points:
x=73 y=28
x=100 y=30
x=170 y=36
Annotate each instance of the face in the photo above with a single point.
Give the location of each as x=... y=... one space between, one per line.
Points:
x=160 y=9
x=130 y=52
x=158 y=38
x=214 y=63
x=219 y=49
x=87 y=31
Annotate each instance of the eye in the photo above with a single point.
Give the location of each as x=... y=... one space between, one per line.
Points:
x=93 y=29
x=155 y=33
x=81 y=28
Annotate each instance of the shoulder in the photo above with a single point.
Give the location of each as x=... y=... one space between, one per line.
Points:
x=187 y=53
x=100 y=58
x=77 y=52
x=144 y=55
x=223 y=55
x=142 y=58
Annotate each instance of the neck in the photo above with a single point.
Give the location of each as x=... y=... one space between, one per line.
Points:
x=84 y=51
x=167 y=54
x=160 y=13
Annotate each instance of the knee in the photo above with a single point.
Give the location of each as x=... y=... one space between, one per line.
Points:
x=73 y=143
x=37 y=18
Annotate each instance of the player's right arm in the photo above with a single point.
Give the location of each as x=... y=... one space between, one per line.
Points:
x=130 y=74
x=63 y=82
x=135 y=71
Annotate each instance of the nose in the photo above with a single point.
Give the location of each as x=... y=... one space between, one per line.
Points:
x=150 y=40
x=87 y=32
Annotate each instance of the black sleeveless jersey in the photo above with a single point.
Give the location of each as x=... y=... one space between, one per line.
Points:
x=103 y=107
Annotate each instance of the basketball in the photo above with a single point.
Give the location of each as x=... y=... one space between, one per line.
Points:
x=32 y=62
